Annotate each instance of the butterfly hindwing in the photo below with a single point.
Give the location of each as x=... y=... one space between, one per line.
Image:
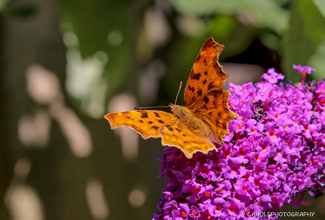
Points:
x=146 y=122
x=161 y=124
x=215 y=112
x=206 y=74
x=180 y=136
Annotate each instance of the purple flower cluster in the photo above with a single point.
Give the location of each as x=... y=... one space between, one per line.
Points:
x=275 y=151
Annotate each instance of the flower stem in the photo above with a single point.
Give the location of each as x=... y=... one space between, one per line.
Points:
x=303 y=77
x=314 y=99
x=301 y=198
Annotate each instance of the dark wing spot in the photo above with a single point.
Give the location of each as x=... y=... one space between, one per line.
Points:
x=161 y=121
x=205 y=107
x=179 y=130
x=191 y=88
x=157 y=115
x=192 y=74
x=155 y=127
x=206 y=73
x=198 y=58
x=215 y=63
x=206 y=99
x=169 y=128
x=140 y=121
x=144 y=115
x=128 y=117
x=199 y=92
x=150 y=122
x=184 y=135
x=186 y=142
x=196 y=76
x=204 y=82
x=211 y=86
x=205 y=60
x=220 y=114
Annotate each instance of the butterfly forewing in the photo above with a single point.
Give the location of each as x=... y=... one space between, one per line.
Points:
x=148 y=123
x=206 y=74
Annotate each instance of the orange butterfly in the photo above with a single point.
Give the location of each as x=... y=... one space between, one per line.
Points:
x=204 y=118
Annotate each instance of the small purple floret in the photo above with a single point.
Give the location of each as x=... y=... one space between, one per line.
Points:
x=271 y=76
x=301 y=69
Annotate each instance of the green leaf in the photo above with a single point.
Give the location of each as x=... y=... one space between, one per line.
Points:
x=320 y=5
x=305 y=32
x=317 y=61
x=3 y=4
x=262 y=13
x=234 y=45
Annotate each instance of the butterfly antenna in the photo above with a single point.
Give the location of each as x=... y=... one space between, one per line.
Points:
x=151 y=107
x=180 y=86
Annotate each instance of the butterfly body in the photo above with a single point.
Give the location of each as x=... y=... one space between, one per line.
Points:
x=203 y=119
x=186 y=116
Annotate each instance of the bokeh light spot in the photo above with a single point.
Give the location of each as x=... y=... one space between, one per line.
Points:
x=137 y=198
x=115 y=38
x=96 y=201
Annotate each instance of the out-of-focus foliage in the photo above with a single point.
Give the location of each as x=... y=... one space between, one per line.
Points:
x=2 y=4
x=303 y=42
x=105 y=29
x=262 y=13
x=302 y=38
x=20 y=11
x=236 y=24
x=321 y=5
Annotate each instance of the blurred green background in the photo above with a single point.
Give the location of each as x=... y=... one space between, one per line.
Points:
x=64 y=64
